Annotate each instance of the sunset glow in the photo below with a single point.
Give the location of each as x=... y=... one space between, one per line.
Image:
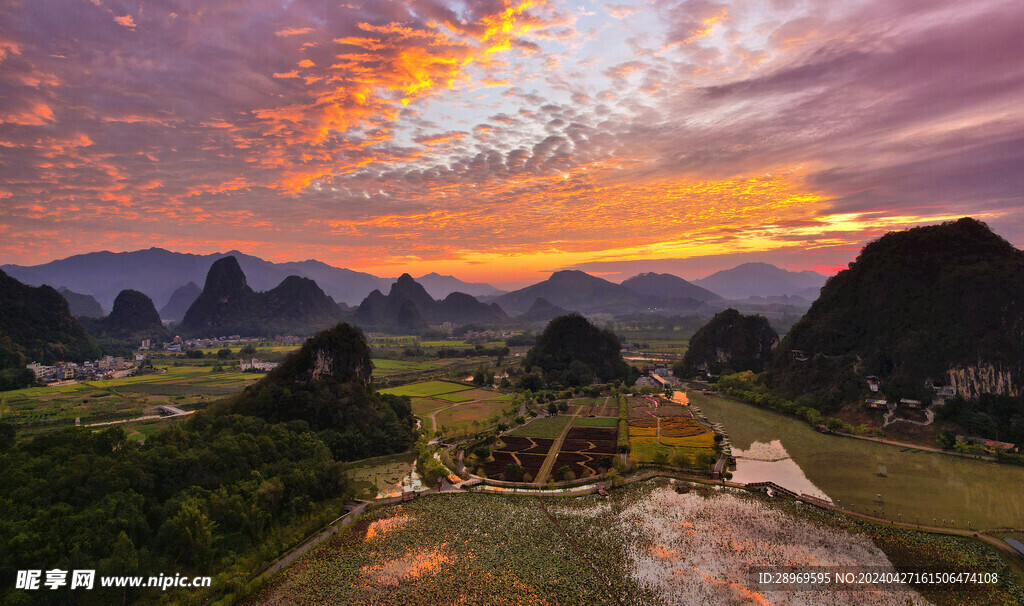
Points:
x=504 y=139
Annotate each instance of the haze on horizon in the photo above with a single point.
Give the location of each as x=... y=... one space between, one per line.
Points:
x=506 y=138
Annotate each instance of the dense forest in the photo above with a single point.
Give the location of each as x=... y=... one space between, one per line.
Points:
x=572 y=351
x=202 y=495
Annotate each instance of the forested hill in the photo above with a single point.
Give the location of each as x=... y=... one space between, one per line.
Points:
x=327 y=384
x=572 y=351
x=206 y=496
x=36 y=325
x=943 y=302
x=730 y=342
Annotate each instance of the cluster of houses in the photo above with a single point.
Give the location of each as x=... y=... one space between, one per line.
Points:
x=660 y=377
x=107 y=367
x=881 y=403
x=254 y=365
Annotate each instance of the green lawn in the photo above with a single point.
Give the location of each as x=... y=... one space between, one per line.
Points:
x=543 y=427
x=596 y=422
x=427 y=389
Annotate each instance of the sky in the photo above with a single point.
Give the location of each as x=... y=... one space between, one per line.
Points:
x=501 y=140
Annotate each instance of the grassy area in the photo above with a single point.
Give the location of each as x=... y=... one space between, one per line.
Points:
x=425 y=406
x=383 y=367
x=454 y=397
x=543 y=427
x=112 y=399
x=426 y=389
x=588 y=401
x=379 y=474
x=596 y=422
x=916 y=485
x=458 y=420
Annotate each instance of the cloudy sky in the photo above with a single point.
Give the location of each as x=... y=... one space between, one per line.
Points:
x=499 y=140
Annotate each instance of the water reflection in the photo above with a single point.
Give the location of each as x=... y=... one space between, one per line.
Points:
x=769 y=462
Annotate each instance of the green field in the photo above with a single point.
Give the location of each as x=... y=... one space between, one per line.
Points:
x=458 y=420
x=424 y=406
x=544 y=427
x=588 y=401
x=917 y=485
x=427 y=389
x=383 y=367
x=113 y=399
x=596 y=422
x=454 y=397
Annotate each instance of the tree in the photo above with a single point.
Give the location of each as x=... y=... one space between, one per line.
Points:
x=513 y=473
x=565 y=473
x=552 y=409
x=945 y=439
x=563 y=406
x=192 y=531
x=248 y=350
x=224 y=353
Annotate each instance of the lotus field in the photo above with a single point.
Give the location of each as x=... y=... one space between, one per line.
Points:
x=651 y=543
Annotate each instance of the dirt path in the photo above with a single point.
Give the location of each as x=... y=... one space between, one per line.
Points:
x=433 y=416
x=549 y=462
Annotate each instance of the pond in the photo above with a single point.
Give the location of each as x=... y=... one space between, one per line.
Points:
x=893 y=482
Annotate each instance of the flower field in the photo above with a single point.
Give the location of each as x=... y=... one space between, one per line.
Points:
x=650 y=543
x=667 y=432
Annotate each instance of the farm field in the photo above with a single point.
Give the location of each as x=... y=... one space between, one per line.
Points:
x=543 y=427
x=528 y=453
x=648 y=543
x=107 y=400
x=585 y=448
x=379 y=474
x=426 y=389
x=595 y=422
x=259 y=349
x=459 y=419
x=423 y=406
x=917 y=484
x=383 y=367
x=667 y=433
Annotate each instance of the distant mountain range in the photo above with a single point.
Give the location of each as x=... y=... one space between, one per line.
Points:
x=170 y=279
x=158 y=273
x=763 y=280
x=228 y=305
x=409 y=307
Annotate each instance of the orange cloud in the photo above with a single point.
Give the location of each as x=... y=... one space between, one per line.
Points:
x=293 y=31
x=125 y=21
x=37 y=115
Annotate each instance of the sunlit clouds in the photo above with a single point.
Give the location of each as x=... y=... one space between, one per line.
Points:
x=499 y=140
